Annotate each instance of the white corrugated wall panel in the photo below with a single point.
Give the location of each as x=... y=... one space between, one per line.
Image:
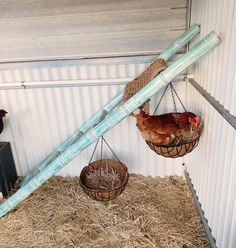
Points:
x=212 y=165
x=41 y=118
x=216 y=72
x=69 y=70
x=55 y=29
x=212 y=170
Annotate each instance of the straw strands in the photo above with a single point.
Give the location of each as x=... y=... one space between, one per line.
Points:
x=151 y=212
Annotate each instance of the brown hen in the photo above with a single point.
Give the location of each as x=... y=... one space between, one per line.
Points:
x=166 y=129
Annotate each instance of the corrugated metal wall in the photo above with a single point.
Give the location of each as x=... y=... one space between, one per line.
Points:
x=212 y=167
x=73 y=72
x=217 y=71
x=55 y=29
x=40 y=118
x=212 y=170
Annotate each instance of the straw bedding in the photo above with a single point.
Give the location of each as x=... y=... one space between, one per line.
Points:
x=152 y=212
x=102 y=179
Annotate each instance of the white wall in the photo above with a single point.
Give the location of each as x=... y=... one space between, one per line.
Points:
x=41 y=118
x=212 y=166
x=216 y=72
x=44 y=114
x=47 y=29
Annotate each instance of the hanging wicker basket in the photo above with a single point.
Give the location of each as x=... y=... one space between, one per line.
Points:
x=174 y=151
x=183 y=146
x=104 y=190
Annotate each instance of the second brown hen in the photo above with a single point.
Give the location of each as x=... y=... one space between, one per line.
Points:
x=167 y=128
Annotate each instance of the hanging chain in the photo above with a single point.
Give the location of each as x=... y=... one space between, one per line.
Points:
x=95 y=147
x=112 y=150
x=100 y=179
x=101 y=147
x=161 y=98
x=101 y=154
x=179 y=99
x=173 y=92
x=173 y=97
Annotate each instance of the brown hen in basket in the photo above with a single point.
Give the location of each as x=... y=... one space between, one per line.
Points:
x=171 y=134
x=169 y=128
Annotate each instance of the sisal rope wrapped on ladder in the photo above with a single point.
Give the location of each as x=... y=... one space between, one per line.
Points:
x=138 y=83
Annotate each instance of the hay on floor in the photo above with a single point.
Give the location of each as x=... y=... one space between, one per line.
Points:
x=152 y=212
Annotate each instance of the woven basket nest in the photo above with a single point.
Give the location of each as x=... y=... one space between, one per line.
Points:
x=177 y=150
x=104 y=179
x=183 y=144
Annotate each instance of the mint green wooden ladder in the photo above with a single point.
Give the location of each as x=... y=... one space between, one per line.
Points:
x=109 y=116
